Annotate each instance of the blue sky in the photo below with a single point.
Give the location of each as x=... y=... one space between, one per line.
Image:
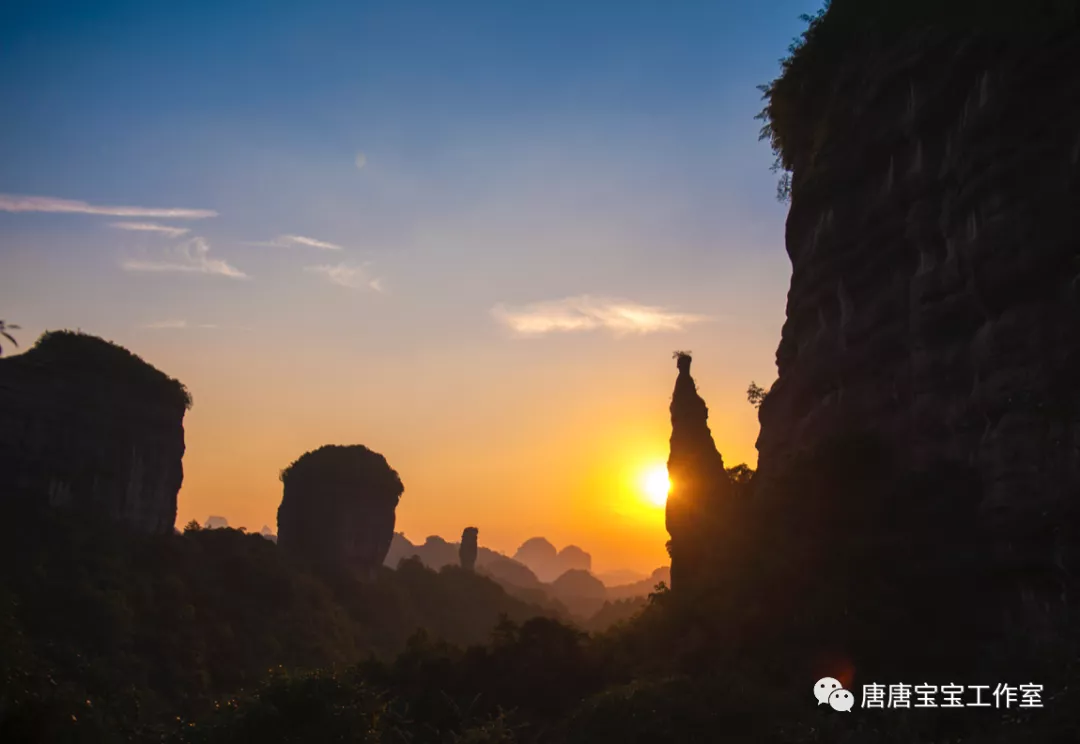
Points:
x=562 y=189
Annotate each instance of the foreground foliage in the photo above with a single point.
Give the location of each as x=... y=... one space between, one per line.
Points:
x=213 y=636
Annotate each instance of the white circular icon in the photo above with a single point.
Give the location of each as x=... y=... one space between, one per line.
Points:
x=826 y=686
x=842 y=700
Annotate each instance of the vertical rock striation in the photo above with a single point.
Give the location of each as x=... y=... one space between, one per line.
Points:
x=934 y=307
x=86 y=424
x=338 y=507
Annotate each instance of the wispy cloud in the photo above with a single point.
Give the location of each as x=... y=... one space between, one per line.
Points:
x=353 y=277
x=311 y=242
x=587 y=313
x=285 y=241
x=17 y=203
x=172 y=232
x=191 y=257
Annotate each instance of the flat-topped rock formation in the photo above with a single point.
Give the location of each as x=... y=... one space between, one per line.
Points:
x=86 y=424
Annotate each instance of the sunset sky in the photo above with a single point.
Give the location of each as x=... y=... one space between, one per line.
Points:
x=465 y=234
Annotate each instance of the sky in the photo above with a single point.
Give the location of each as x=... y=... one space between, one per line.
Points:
x=467 y=235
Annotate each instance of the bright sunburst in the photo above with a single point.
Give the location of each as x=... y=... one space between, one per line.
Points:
x=657 y=485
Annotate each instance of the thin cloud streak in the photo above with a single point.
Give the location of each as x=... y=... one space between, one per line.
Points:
x=311 y=242
x=190 y=257
x=18 y=203
x=587 y=313
x=353 y=277
x=287 y=241
x=172 y=232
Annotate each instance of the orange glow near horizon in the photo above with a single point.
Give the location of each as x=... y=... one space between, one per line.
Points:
x=563 y=446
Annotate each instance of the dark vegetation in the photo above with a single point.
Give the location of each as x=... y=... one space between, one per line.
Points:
x=107 y=632
x=842 y=38
x=755 y=394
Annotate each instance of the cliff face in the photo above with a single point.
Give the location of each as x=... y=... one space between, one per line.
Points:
x=86 y=424
x=934 y=235
x=338 y=507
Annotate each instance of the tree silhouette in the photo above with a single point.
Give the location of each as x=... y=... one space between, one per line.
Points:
x=4 y=328
x=755 y=394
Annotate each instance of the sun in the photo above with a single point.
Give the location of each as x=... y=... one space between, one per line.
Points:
x=656 y=485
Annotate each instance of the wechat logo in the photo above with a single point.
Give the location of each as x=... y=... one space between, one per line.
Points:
x=830 y=691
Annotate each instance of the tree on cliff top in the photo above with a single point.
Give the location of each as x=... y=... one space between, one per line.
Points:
x=338 y=506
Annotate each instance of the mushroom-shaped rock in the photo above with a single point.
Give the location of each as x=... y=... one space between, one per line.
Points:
x=338 y=507
x=468 y=550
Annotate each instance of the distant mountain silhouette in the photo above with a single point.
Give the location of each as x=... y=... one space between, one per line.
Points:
x=437 y=552
x=580 y=591
x=514 y=577
x=574 y=593
x=548 y=563
x=215 y=523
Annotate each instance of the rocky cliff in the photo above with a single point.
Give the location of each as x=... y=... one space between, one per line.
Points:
x=700 y=487
x=932 y=319
x=468 y=549
x=86 y=424
x=338 y=507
